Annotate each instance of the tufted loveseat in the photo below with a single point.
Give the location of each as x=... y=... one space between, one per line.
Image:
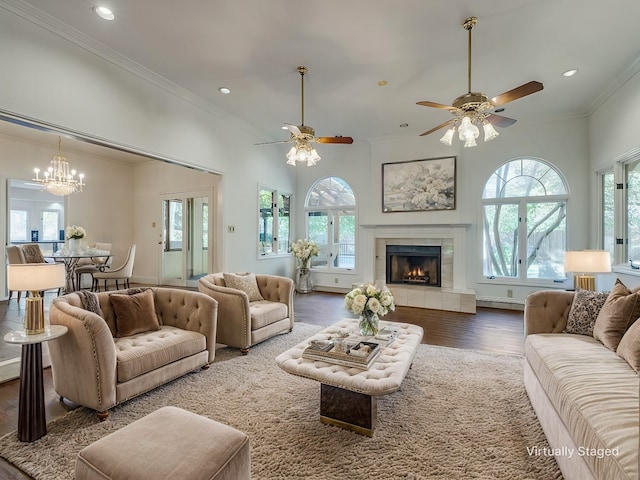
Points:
x=94 y=367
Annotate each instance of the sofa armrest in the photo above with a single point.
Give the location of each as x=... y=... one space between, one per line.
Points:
x=83 y=361
x=234 y=316
x=546 y=311
x=193 y=311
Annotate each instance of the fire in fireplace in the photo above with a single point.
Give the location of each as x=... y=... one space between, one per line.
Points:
x=414 y=265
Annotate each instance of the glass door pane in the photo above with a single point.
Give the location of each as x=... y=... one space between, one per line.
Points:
x=198 y=236
x=344 y=237
x=501 y=240
x=546 y=234
x=172 y=251
x=318 y=225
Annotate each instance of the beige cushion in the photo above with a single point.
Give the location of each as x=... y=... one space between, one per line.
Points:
x=134 y=313
x=584 y=310
x=595 y=393
x=629 y=347
x=620 y=310
x=169 y=443
x=146 y=352
x=247 y=283
x=265 y=313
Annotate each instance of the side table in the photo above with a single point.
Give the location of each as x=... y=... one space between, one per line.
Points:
x=32 y=422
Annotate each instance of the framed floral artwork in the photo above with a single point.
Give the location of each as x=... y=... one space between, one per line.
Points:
x=419 y=185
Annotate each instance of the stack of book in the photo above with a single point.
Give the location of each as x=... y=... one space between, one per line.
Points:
x=358 y=354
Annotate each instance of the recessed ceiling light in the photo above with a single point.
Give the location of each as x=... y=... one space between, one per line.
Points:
x=104 y=12
x=382 y=83
x=284 y=127
x=224 y=90
x=403 y=125
x=570 y=73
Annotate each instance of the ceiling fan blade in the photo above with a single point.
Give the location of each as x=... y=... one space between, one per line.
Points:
x=516 y=93
x=500 y=121
x=436 y=105
x=273 y=143
x=448 y=122
x=336 y=139
x=293 y=129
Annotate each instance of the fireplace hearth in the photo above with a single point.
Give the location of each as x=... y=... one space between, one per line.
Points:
x=413 y=265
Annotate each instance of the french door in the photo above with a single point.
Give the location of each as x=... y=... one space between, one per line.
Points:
x=186 y=243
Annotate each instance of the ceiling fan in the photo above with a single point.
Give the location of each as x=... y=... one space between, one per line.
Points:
x=475 y=108
x=303 y=137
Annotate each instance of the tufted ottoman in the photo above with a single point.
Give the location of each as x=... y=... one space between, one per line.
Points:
x=348 y=396
x=168 y=443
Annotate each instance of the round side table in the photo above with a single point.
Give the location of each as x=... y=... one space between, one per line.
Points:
x=32 y=422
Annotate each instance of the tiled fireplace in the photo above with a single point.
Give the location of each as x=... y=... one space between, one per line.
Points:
x=438 y=252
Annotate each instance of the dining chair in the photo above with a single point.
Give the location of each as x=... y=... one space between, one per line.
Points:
x=14 y=256
x=92 y=265
x=32 y=253
x=123 y=273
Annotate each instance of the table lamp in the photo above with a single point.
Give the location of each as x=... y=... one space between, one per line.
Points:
x=35 y=278
x=585 y=262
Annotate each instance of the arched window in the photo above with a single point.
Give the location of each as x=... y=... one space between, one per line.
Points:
x=524 y=205
x=330 y=209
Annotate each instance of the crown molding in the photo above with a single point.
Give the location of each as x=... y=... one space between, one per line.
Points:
x=614 y=85
x=74 y=36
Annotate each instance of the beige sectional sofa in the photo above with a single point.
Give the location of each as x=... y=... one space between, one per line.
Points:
x=103 y=361
x=586 y=396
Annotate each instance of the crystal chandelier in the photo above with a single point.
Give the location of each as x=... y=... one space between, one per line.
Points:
x=59 y=179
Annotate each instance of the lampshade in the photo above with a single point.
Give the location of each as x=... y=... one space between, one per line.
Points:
x=587 y=261
x=35 y=277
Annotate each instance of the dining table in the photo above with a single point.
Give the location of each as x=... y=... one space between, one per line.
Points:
x=71 y=259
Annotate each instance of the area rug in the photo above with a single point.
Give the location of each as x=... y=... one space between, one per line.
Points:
x=459 y=414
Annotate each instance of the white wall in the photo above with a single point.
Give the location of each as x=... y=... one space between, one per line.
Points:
x=47 y=78
x=614 y=136
x=562 y=143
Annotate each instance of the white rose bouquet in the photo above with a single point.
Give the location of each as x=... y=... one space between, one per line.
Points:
x=74 y=231
x=304 y=250
x=370 y=302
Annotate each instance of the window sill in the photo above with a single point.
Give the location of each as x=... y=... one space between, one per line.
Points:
x=626 y=269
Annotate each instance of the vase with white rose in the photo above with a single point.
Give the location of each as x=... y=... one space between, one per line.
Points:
x=74 y=235
x=370 y=303
x=304 y=250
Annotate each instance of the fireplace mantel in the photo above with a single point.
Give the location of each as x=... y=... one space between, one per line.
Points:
x=452 y=237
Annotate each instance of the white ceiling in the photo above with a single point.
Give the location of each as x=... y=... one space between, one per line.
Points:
x=418 y=46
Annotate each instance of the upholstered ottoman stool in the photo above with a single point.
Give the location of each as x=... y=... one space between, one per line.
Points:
x=168 y=443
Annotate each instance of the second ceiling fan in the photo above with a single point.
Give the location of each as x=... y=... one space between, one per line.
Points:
x=475 y=108
x=303 y=137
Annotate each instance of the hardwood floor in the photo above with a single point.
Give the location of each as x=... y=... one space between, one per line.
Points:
x=489 y=330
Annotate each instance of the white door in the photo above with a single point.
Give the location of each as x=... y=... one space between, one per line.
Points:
x=186 y=242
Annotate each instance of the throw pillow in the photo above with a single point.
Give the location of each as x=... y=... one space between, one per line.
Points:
x=619 y=311
x=584 y=310
x=629 y=347
x=134 y=313
x=247 y=283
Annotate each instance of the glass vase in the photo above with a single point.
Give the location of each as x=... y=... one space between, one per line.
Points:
x=303 y=280
x=369 y=324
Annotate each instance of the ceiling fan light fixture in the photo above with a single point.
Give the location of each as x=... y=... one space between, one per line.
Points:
x=489 y=132
x=447 y=138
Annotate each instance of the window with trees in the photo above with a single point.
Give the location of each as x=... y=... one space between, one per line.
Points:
x=608 y=190
x=524 y=205
x=330 y=209
x=632 y=211
x=274 y=213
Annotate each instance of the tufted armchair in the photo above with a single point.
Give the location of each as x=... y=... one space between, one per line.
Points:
x=94 y=366
x=243 y=323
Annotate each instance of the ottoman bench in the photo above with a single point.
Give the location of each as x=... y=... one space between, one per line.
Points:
x=168 y=443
